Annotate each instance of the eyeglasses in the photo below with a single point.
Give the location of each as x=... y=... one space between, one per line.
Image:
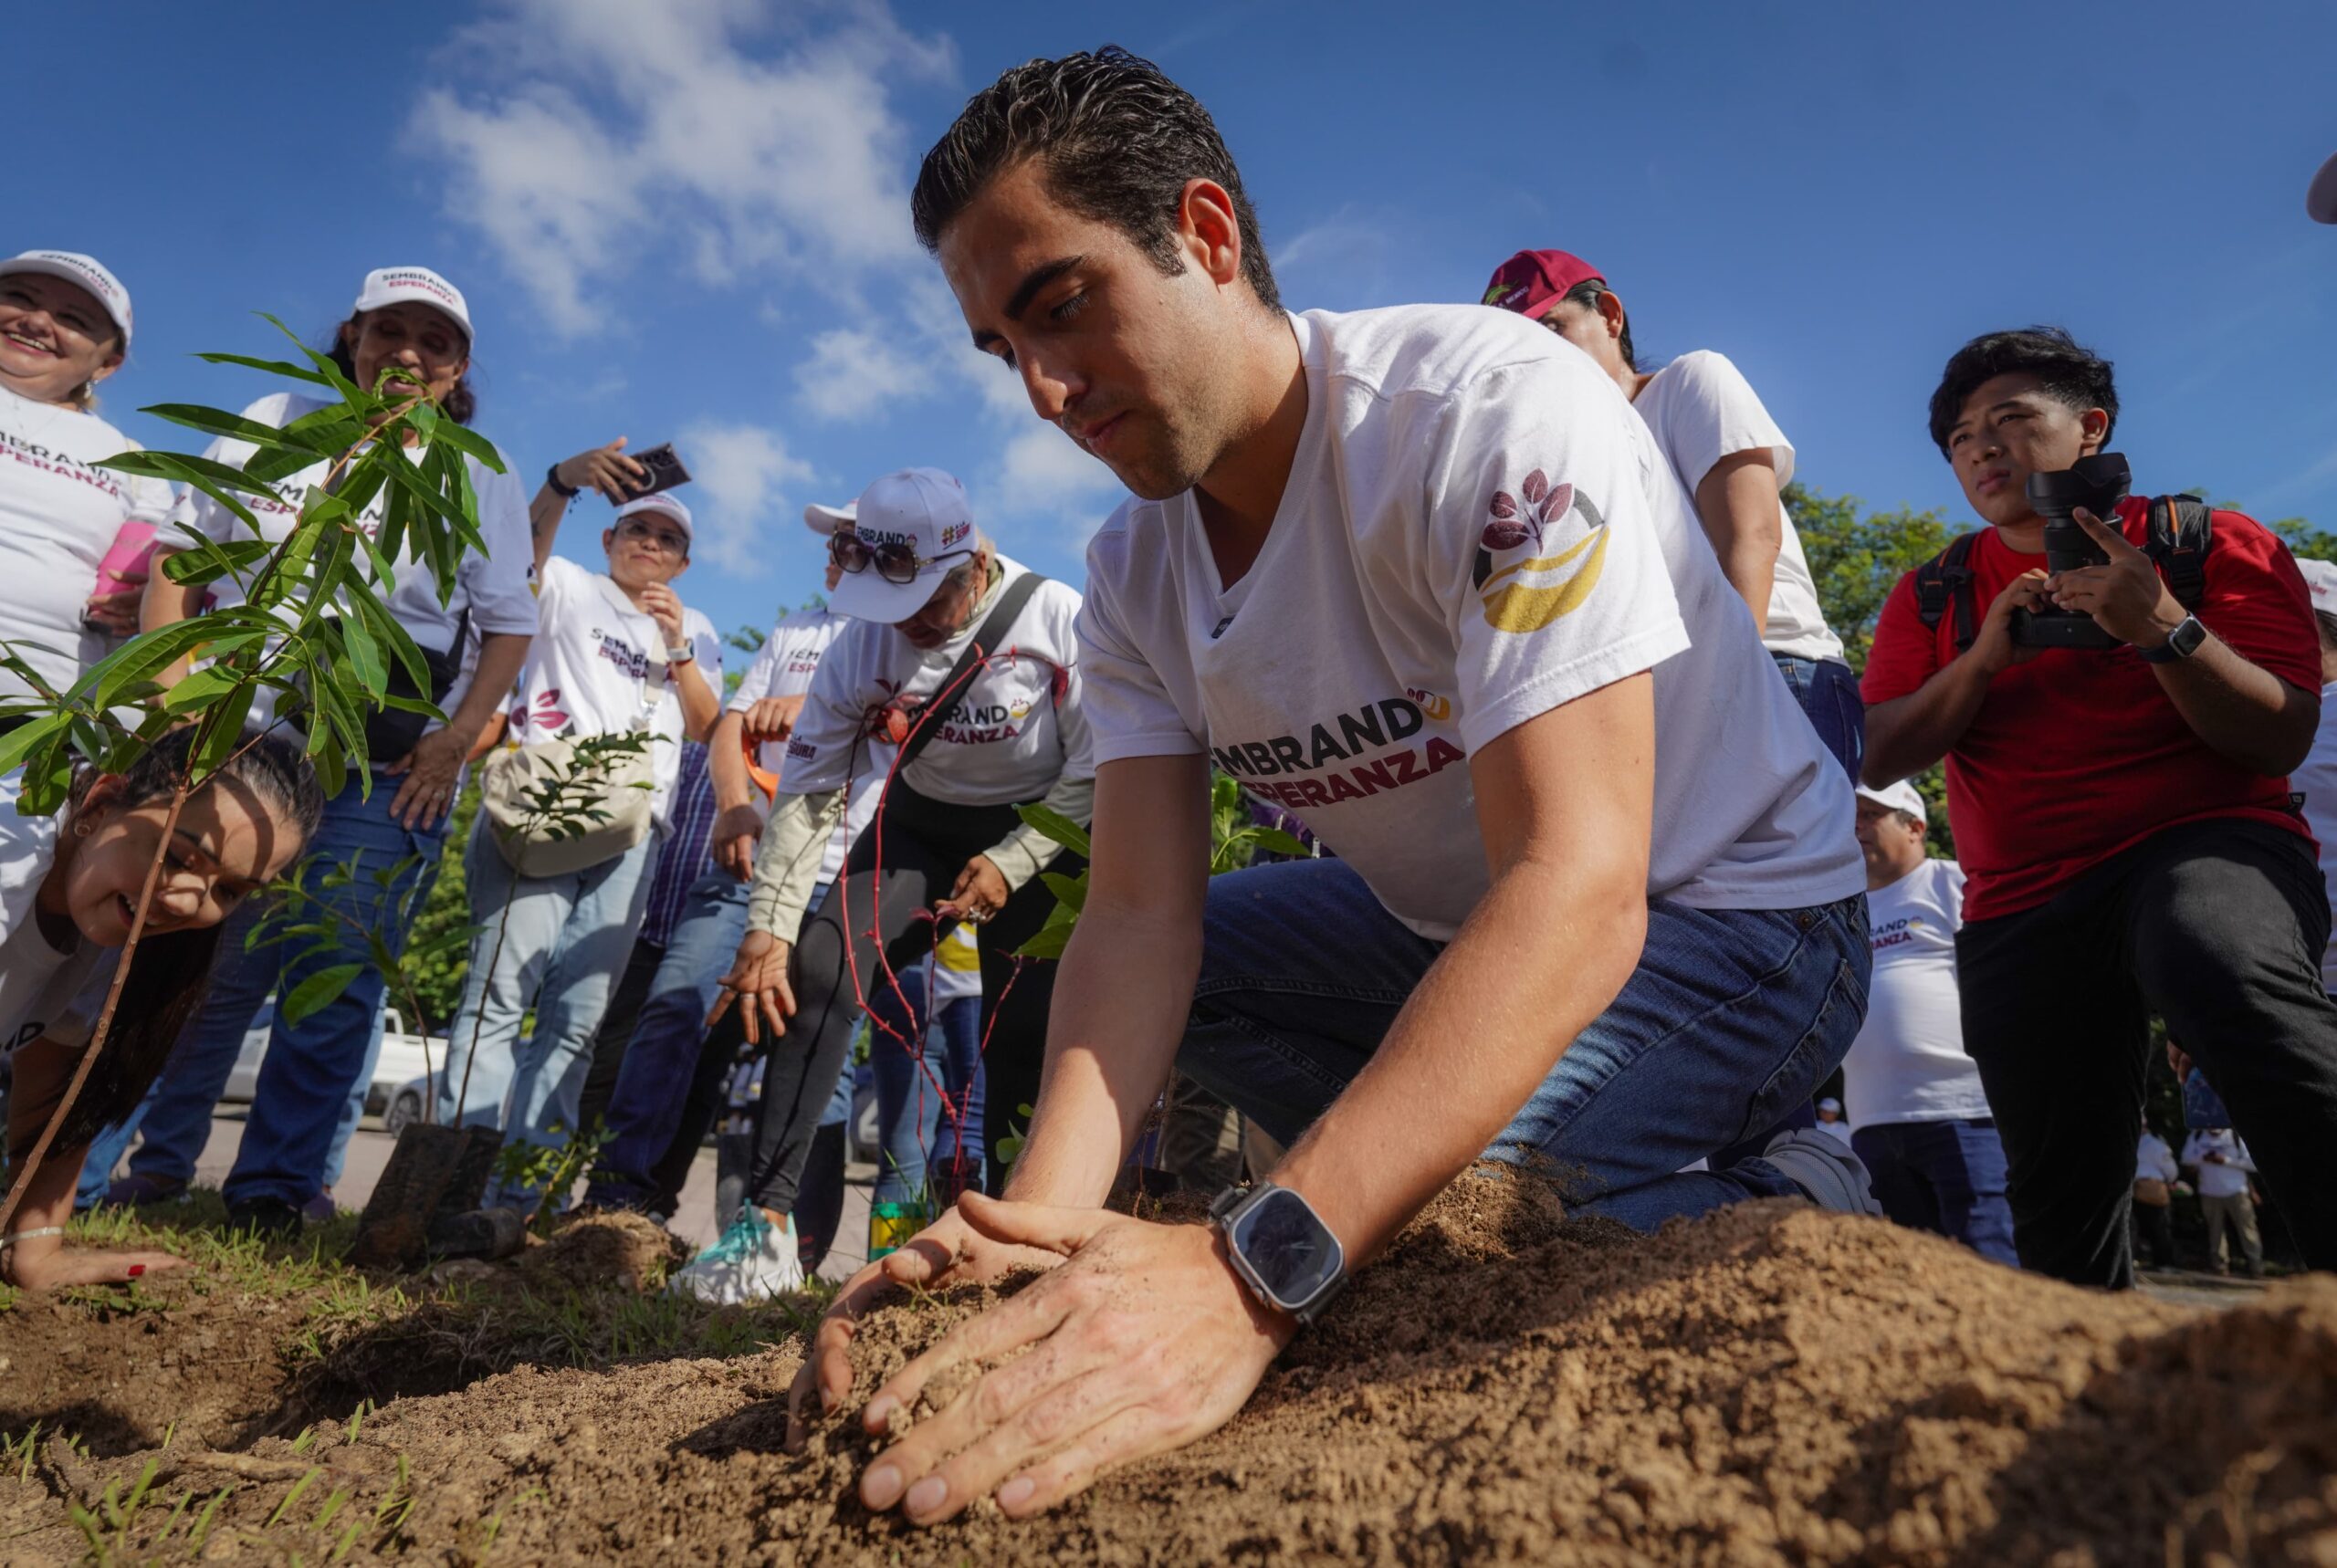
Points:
x=895 y=560
x=664 y=539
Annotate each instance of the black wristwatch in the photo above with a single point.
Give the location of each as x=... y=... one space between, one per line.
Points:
x=1280 y=1249
x=2181 y=643
x=565 y=492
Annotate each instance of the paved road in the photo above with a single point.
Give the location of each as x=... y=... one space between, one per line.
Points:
x=368 y=1150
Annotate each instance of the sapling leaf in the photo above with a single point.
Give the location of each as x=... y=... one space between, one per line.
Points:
x=319 y=991
x=1071 y=890
x=273 y=367
x=1057 y=827
x=19 y=742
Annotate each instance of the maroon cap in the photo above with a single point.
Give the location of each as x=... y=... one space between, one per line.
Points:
x=1531 y=280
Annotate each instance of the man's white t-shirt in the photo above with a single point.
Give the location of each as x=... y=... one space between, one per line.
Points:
x=1702 y=409
x=1019 y=725
x=1475 y=531
x=39 y=981
x=58 y=515
x=493 y=587
x=784 y=668
x=1908 y=1062
x=2316 y=781
x=598 y=667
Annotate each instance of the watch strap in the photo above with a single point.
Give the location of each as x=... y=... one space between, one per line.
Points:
x=1226 y=1208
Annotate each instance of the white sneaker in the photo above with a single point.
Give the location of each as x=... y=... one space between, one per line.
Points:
x=754 y=1261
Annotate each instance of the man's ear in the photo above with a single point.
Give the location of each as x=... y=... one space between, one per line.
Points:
x=1610 y=311
x=2093 y=431
x=1208 y=231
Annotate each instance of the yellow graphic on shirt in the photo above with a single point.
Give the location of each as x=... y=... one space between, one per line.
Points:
x=1518 y=598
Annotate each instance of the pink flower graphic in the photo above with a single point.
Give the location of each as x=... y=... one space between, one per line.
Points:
x=545 y=713
x=1514 y=524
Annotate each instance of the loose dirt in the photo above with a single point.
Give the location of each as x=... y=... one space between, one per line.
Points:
x=1770 y=1385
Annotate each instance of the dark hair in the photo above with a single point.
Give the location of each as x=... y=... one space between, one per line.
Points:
x=2071 y=374
x=1118 y=141
x=1585 y=294
x=169 y=973
x=2328 y=625
x=461 y=404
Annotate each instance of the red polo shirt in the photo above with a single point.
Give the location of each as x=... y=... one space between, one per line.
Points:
x=2078 y=754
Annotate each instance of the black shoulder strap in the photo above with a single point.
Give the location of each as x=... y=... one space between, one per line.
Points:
x=2181 y=529
x=1945 y=580
x=993 y=630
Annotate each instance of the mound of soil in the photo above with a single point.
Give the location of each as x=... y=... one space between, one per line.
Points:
x=1772 y=1385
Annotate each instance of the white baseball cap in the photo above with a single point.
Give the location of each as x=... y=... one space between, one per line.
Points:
x=419 y=284
x=1900 y=796
x=923 y=508
x=663 y=502
x=2320 y=577
x=2320 y=197
x=84 y=270
x=825 y=521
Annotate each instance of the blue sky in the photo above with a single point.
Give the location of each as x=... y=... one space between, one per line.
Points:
x=688 y=221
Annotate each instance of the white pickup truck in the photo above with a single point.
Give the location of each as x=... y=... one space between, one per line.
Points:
x=399 y=1061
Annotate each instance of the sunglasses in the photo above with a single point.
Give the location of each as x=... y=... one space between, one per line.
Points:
x=895 y=560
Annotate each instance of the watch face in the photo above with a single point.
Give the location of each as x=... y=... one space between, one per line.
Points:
x=1291 y=1251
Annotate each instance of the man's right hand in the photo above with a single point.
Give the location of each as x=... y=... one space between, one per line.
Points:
x=758 y=983
x=1994 y=646
x=947 y=1252
x=604 y=468
x=737 y=830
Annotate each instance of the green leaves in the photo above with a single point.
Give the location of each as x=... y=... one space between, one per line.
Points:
x=1057 y=827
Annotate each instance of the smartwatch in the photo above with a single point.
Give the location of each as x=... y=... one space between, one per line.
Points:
x=2181 y=643
x=684 y=655
x=1280 y=1249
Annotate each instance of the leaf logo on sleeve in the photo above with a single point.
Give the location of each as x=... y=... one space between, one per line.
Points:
x=1528 y=595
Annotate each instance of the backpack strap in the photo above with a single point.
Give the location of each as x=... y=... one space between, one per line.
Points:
x=1945 y=580
x=2181 y=532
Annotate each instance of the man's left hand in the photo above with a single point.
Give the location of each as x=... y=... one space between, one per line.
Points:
x=2127 y=598
x=1141 y=1341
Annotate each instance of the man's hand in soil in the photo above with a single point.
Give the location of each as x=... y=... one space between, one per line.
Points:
x=1140 y=1342
x=947 y=1252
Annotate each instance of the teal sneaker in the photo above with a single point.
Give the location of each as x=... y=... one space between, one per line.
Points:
x=754 y=1261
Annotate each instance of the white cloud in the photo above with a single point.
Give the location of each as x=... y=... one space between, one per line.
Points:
x=613 y=135
x=743 y=473
x=852 y=373
x=1045 y=483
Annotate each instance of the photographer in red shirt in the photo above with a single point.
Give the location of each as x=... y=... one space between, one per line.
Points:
x=2122 y=813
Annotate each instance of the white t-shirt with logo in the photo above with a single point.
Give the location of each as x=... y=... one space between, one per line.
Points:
x=784 y=668
x=493 y=587
x=1908 y=1063
x=2316 y=781
x=58 y=515
x=1021 y=725
x=38 y=982
x=1702 y=409
x=1475 y=530
x=2226 y=1178
x=598 y=667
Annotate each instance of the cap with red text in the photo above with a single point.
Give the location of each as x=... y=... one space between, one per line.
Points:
x=2320 y=579
x=663 y=501
x=923 y=508
x=418 y=286
x=1533 y=280
x=84 y=270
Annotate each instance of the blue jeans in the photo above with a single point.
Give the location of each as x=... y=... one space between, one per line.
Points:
x=1829 y=694
x=562 y=947
x=1732 y=1017
x=314 y=1071
x=915 y=1123
x=1946 y=1178
x=645 y=1107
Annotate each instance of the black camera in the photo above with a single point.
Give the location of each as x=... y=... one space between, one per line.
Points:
x=2097 y=484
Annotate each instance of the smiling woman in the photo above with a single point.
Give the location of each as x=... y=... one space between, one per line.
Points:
x=64 y=328
x=69 y=887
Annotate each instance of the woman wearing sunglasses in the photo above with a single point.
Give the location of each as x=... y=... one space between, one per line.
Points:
x=930 y=597
x=618 y=654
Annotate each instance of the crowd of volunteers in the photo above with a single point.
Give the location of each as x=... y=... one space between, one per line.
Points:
x=1619 y=877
